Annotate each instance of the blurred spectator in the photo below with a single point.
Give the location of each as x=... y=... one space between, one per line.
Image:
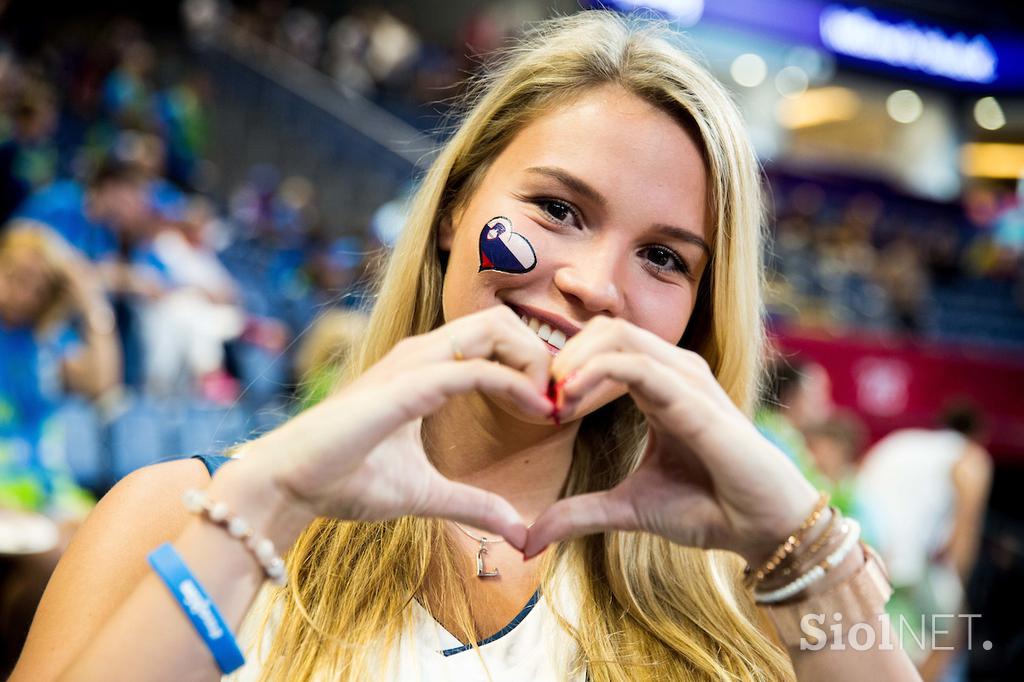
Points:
x=324 y=350
x=183 y=125
x=901 y=273
x=925 y=492
x=942 y=256
x=186 y=329
x=28 y=160
x=372 y=50
x=301 y=33
x=42 y=284
x=1008 y=232
x=835 y=444
x=111 y=222
x=127 y=91
x=797 y=397
x=92 y=218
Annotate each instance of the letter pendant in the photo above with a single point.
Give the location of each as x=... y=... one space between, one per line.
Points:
x=480 y=572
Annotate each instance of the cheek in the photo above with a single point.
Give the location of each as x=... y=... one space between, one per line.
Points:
x=662 y=309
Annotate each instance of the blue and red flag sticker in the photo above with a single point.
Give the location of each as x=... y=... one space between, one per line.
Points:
x=503 y=250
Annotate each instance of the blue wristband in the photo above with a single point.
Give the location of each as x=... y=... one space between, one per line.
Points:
x=198 y=606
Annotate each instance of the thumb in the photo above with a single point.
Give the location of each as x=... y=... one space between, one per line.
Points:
x=580 y=515
x=478 y=508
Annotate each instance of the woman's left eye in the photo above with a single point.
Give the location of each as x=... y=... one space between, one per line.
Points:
x=660 y=259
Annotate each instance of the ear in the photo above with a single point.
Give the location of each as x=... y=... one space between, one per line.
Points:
x=445 y=233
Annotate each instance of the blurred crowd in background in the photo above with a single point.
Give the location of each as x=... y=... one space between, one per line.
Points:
x=158 y=296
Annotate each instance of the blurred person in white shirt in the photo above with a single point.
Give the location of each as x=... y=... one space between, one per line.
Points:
x=925 y=492
x=187 y=328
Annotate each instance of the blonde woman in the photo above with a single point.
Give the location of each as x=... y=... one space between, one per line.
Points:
x=414 y=503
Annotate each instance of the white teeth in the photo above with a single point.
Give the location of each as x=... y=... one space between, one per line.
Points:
x=555 y=337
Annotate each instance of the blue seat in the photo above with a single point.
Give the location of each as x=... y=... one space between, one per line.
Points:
x=83 y=446
x=210 y=430
x=145 y=433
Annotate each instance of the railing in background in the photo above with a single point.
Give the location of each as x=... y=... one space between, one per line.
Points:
x=270 y=107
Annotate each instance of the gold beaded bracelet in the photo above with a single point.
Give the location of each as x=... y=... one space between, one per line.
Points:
x=751 y=578
x=795 y=565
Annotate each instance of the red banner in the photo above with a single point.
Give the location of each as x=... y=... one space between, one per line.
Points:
x=896 y=383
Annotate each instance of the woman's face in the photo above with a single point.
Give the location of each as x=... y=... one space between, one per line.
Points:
x=610 y=192
x=26 y=286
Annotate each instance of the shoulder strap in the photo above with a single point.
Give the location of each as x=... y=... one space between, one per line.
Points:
x=212 y=462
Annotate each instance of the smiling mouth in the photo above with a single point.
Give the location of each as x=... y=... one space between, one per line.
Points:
x=551 y=335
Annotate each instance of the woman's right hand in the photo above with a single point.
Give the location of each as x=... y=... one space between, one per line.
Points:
x=358 y=454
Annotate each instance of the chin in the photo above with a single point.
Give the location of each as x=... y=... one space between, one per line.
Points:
x=510 y=409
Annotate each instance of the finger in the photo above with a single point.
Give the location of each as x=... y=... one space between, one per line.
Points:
x=580 y=515
x=653 y=385
x=601 y=335
x=368 y=416
x=421 y=392
x=478 y=508
x=669 y=401
x=499 y=334
x=493 y=334
x=604 y=334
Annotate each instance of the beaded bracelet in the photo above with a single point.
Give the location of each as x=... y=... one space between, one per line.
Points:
x=198 y=502
x=851 y=531
x=751 y=578
x=798 y=564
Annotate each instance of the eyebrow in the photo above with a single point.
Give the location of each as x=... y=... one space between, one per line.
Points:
x=583 y=189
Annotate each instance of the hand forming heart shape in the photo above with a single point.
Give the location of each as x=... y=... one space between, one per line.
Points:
x=707 y=478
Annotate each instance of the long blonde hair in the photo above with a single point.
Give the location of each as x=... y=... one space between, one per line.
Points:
x=649 y=609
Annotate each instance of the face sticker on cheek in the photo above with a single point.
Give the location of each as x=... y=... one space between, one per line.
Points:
x=503 y=250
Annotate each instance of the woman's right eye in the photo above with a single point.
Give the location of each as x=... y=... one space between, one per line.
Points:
x=559 y=211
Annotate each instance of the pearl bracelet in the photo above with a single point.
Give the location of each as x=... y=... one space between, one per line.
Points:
x=198 y=502
x=851 y=530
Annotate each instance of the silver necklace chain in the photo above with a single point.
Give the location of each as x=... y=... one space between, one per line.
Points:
x=481 y=539
x=481 y=571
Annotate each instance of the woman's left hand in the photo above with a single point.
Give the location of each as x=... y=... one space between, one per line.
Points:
x=707 y=479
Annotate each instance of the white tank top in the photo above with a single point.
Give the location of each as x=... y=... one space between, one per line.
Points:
x=905 y=486
x=533 y=647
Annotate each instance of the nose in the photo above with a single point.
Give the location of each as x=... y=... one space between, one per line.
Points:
x=592 y=281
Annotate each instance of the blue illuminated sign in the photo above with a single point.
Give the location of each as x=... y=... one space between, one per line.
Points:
x=859 y=33
x=870 y=38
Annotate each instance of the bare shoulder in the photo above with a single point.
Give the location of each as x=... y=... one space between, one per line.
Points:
x=105 y=561
x=974 y=467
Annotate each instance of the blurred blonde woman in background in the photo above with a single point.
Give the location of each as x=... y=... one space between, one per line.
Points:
x=325 y=348
x=43 y=360
x=415 y=502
